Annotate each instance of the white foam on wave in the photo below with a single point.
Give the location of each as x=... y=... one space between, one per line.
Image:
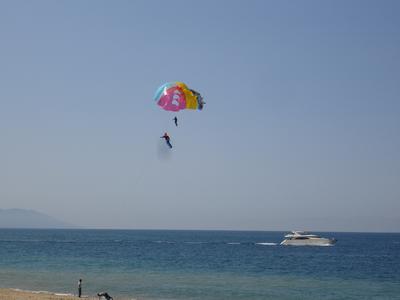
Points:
x=234 y=243
x=195 y=243
x=267 y=244
x=43 y=292
x=163 y=242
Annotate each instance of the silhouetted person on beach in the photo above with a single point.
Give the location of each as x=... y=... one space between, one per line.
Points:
x=167 y=139
x=176 y=121
x=80 y=288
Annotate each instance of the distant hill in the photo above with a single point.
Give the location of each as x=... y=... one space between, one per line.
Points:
x=24 y=218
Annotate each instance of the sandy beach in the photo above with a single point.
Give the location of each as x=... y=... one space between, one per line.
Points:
x=12 y=294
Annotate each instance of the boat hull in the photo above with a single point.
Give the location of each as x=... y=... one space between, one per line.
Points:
x=309 y=242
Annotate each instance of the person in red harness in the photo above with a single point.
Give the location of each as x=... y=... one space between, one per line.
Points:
x=167 y=139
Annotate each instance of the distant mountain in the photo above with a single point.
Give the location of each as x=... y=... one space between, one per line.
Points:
x=24 y=218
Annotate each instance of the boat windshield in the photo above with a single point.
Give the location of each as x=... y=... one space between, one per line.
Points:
x=302 y=235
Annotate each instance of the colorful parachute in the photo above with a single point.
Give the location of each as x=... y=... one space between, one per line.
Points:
x=174 y=96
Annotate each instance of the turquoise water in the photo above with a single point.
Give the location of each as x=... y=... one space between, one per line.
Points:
x=140 y=264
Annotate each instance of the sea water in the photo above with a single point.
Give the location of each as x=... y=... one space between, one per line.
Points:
x=161 y=264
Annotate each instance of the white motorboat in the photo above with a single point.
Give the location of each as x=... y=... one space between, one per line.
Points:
x=301 y=238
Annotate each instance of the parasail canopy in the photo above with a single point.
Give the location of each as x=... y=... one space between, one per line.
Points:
x=175 y=96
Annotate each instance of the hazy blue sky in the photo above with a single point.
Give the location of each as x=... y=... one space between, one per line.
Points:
x=301 y=129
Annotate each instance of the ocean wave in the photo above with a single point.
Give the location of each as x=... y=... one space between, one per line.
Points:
x=163 y=242
x=38 y=241
x=195 y=243
x=267 y=244
x=42 y=292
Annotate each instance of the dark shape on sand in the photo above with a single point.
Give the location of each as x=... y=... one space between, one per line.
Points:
x=104 y=295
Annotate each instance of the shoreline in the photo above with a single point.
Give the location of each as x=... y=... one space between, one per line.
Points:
x=20 y=294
